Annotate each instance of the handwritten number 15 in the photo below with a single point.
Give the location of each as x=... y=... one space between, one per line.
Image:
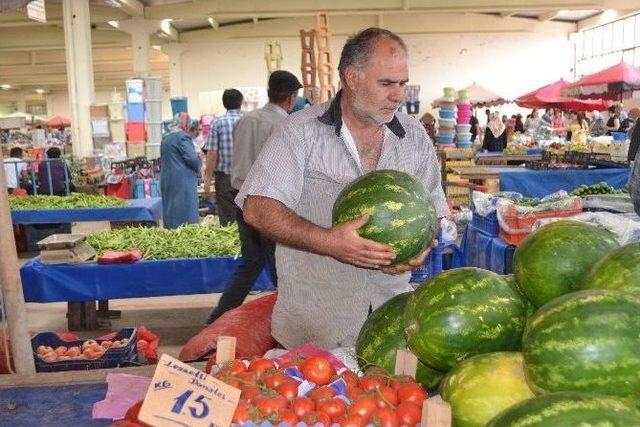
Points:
x=196 y=412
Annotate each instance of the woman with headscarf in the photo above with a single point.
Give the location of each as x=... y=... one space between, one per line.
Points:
x=598 y=126
x=180 y=167
x=495 y=135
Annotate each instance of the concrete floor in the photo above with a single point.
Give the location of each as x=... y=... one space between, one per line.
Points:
x=175 y=319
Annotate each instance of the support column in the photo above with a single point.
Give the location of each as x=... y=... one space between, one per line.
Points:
x=77 y=37
x=21 y=101
x=174 y=51
x=140 y=30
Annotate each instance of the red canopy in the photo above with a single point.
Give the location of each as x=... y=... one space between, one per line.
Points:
x=58 y=121
x=610 y=83
x=549 y=96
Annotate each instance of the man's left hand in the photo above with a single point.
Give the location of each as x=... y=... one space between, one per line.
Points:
x=412 y=264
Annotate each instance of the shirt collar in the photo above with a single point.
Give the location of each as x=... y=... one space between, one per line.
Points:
x=333 y=117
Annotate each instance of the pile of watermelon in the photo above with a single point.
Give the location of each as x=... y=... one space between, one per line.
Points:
x=557 y=344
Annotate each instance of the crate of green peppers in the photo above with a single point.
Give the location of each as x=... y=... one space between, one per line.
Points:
x=72 y=201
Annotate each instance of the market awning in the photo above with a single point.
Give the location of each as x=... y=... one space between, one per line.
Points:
x=58 y=121
x=479 y=96
x=550 y=96
x=610 y=83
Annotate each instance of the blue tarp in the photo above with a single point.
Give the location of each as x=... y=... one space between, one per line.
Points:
x=87 y=282
x=483 y=251
x=58 y=405
x=532 y=183
x=144 y=210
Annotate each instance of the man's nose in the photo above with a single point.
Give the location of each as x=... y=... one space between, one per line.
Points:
x=398 y=94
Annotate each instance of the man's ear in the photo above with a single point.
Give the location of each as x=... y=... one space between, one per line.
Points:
x=351 y=77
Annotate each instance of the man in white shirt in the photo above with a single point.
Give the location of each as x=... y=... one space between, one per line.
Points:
x=14 y=169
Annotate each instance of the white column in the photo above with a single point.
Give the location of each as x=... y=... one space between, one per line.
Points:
x=174 y=51
x=77 y=37
x=140 y=30
x=21 y=101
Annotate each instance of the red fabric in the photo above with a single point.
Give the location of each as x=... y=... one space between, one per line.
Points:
x=621 y=72
x=120 y=257
x=550 y=96
x=250 y=324
x=58 y=121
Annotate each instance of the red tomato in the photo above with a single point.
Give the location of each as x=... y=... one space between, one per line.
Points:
x=247 y=377
x=241 y=414
x=385 y=417
x=260 y=366
x=287 y=416
x=354 y=392
x=273 y=380
x=409 y=413
x=350 y=378
x=234 y=367
x=385 y=396
x=291 y=363
x=288 y=389
x=268 y=405
x=369 y=383
x=302 y=406
x=412 y=392
x=335 y=407
x=398 y=380
x=318 y=370
x=317 y=417
x=364 y=407
x=249 y=392
x=352 y=421
x=321 y=393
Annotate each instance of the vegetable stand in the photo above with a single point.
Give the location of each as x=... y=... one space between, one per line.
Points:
x=86 y=283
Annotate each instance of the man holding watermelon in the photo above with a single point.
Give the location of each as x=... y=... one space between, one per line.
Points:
x=329 y=277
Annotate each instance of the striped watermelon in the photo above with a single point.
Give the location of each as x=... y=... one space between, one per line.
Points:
x=619 y=269
x=585 y=341
x=569 y=409
x=556 y=258
x=482 y=386
x=460 y=313
x=402 y=213
x=382 y=335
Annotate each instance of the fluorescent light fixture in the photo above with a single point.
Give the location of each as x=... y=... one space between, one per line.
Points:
x=113 y=3
x=214 y=24
x=40 y=91
x=5 y=86
x=114 y=24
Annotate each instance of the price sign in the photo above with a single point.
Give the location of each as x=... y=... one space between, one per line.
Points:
x=225 y=349
x=180 y=395
x=406 y=363
x=436 y=413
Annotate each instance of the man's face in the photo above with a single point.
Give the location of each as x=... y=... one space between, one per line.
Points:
x=380 y=88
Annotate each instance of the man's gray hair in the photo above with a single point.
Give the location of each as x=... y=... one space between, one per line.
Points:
x=359 y=48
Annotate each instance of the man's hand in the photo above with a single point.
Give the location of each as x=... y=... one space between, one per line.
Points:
x=412 y=264
x=348 y=247
x=207 y=188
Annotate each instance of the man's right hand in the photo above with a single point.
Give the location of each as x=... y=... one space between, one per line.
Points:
x=207 y=188
x=348 y=247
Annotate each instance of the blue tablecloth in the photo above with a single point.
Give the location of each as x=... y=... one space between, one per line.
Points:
x=484 y=251
x=532 y=183
x=144 y=210
x=87 y=282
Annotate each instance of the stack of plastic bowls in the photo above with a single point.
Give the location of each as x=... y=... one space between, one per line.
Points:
x=447 y=119
x=463 y=128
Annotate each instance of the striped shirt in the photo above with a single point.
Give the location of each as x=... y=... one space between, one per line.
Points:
x=221 y=139
x=305 y=164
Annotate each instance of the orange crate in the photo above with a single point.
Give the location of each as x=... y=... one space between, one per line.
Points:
x=512 y=239
x=518 y=221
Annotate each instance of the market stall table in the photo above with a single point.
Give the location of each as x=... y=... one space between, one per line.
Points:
x=504 y=159
x=82 y=284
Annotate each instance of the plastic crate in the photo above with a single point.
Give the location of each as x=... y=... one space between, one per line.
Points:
x=153 y=111
x=136 y=132
x=508 y=259
x=135 y=112
x=487 y=224
x=112 y=358
x=512 y=238
x=435 y=262
x=518 y=221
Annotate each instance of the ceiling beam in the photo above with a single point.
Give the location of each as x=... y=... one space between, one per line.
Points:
x=132 y=7
x=548 y=16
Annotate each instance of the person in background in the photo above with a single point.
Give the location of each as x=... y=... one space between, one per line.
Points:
x=487 y=113
x=495 y=134
x=330 y=278
x=250 y=136
x=219 y=148
x=559 y=124
x=627 y=123
x=532 y=122
x=14 y=169
x=519 y=126
x=179 y=174
x=598 y=126
x=54 y=175
x=547 y=117
x=505 y=120
x=475 y=128
x=613 y=124
x=576 y=133
x=634 y=134
x=429 y=123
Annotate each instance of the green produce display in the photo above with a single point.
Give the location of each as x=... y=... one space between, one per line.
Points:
x=481 y=387
x=72 y=201
x=569 y=409
x=585 y=341
x=188 y=241
x=463 y=312
x=619 y=269
x=600 y=188
x=556 y=258
x=382 y=335
x=402 y=214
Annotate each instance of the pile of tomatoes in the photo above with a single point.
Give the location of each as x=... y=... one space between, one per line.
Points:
x=270 y=392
